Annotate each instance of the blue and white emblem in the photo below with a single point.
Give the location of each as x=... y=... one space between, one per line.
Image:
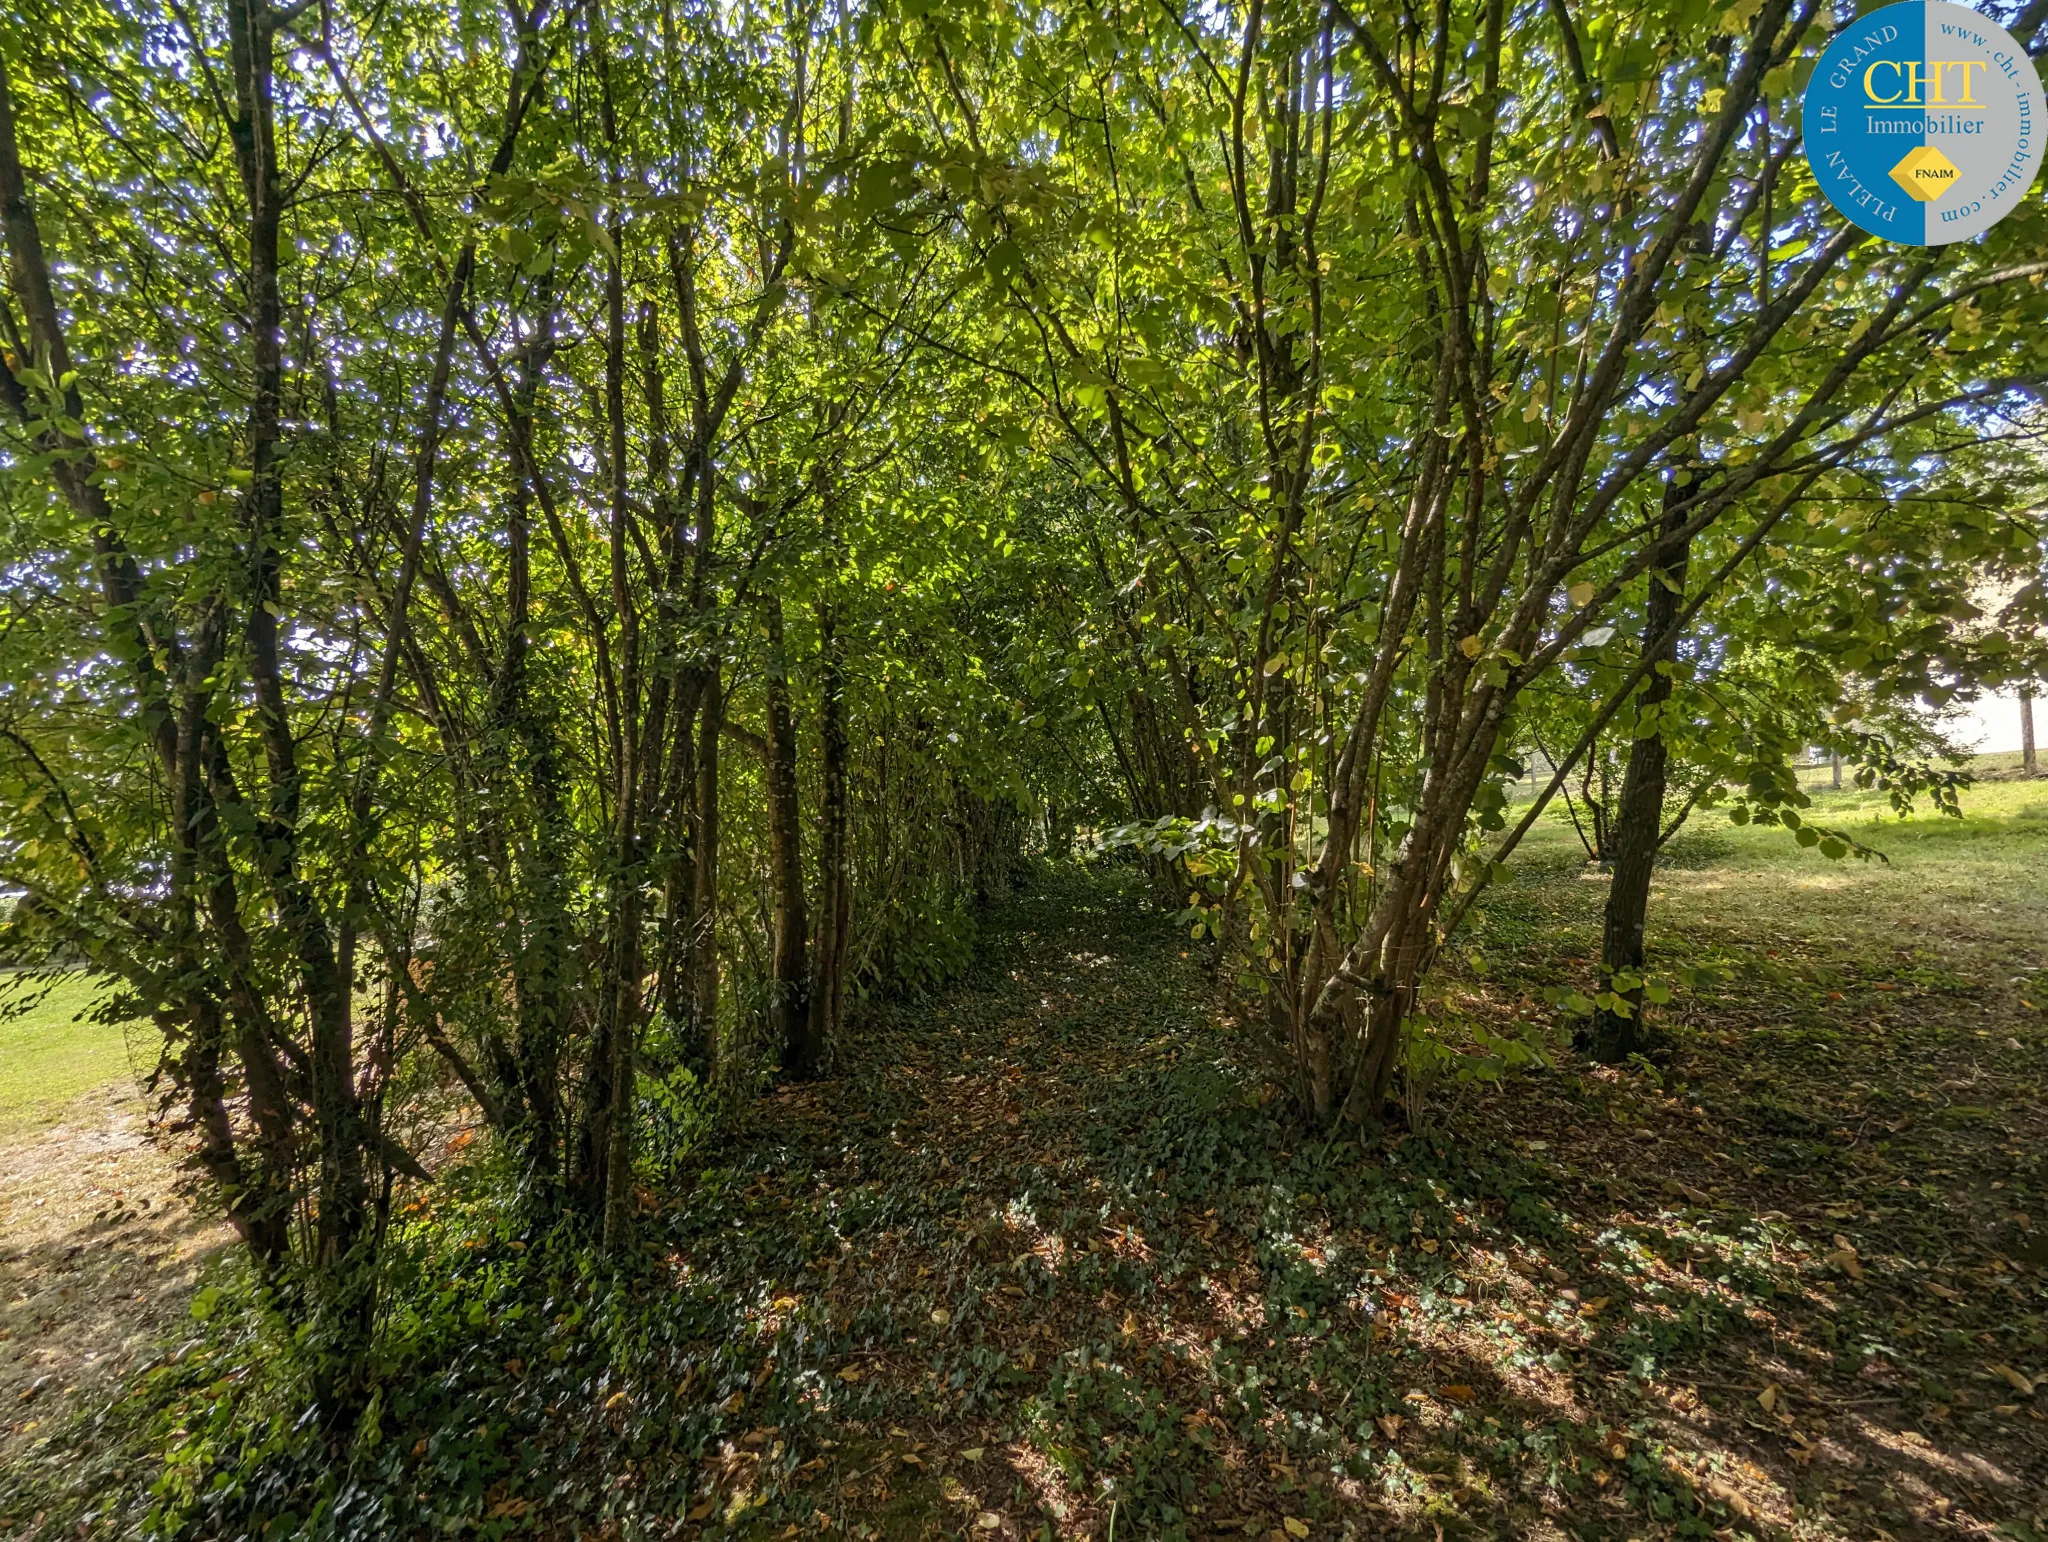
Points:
x=1923 y=122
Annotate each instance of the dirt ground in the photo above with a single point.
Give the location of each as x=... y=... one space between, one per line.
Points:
x=98 y=1257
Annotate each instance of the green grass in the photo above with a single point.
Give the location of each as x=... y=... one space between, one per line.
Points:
x=53 y=1054
x=1968 y=888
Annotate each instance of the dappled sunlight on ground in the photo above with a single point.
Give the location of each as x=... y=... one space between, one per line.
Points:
x=1044 y=1256
x=99 y=1250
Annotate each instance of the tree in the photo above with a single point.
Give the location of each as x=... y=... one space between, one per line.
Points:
x=1367 y=336
x=385 y=570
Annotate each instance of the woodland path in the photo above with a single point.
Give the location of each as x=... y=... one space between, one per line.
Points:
x=1043 y=1251
x=1783 y=1284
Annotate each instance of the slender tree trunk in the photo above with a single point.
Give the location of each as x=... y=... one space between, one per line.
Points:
x=1835 y=767
x=835 y=897
x=789 y=1016
x=2028 y=765
x=674 y=973
x=609 y=1084
x=342 y=1188
x=1616 y=1034
x=704 y=862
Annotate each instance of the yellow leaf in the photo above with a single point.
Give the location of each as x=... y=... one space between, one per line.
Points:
x=851 y=1373
x=971 y=1454
x=1458 y=1392
x=941 y=1316
x=1470 y=646
x=2019 y=1383
x=1769 y=1397
x=1594 y=1307
x=988 y=1520
x=1295 y=1527
x=1580 y=594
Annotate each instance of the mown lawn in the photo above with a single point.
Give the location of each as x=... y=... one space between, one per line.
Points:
x=54 y=1053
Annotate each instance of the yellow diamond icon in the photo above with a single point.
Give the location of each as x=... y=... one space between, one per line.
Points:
x=1925 y=173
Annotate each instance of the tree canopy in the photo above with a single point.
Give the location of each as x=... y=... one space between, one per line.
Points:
x=560 y=548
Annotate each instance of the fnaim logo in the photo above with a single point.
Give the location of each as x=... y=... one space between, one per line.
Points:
x=1923 y=122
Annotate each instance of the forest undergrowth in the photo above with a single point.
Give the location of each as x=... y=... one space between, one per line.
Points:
x=1042 y=1258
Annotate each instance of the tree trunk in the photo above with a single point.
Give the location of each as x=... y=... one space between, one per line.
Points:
x=1617 y=1030
x=609 y=1084
x=835 y=897
x=704 y=874
x=1835 y=767
x=789 y=1017
x=2028 y=765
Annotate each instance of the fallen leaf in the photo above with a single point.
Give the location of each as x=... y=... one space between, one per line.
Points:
x=941 y=1316
x=1844 y=1258
x=988 y=1520
x=1458 y=1392
x=1768 y=1398
x=1390 y=1425
x=1594 y=1307
x=851 y=1373
x=2021 y=1384
x=1295 y=1527
x=971 y=1454
x=1729 y=1495
x=1935 y=1288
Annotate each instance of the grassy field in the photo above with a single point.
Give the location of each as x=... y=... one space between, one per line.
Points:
x=1970 y=889
x=52 y=1055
